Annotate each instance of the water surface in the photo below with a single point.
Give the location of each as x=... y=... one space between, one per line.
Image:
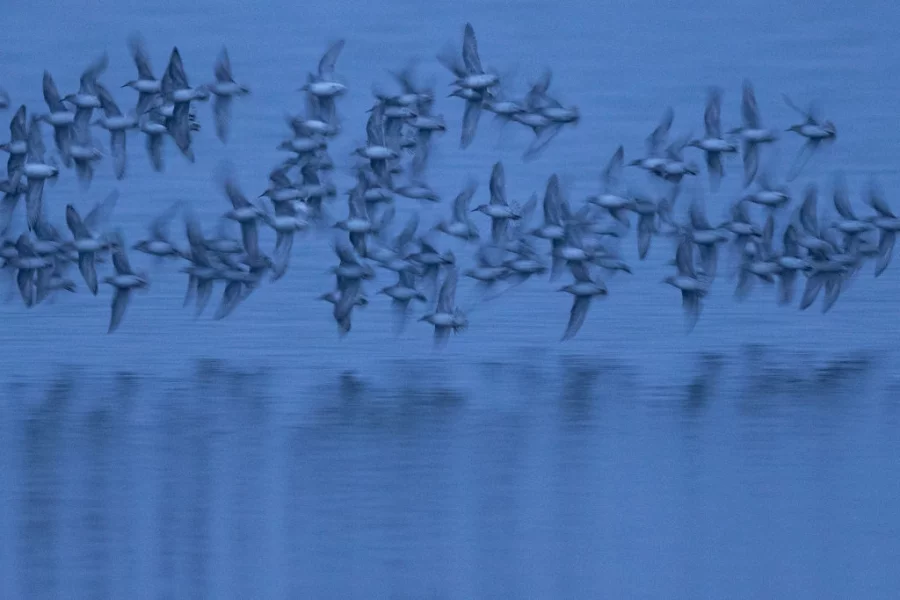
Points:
x=754 y=458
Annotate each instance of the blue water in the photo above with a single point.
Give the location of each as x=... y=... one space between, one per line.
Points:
x=754 y=458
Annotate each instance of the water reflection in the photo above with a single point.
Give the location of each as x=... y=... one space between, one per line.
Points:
x=535 y=484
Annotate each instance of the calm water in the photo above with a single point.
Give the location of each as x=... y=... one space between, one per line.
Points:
x=754 y=458
x=747 y=478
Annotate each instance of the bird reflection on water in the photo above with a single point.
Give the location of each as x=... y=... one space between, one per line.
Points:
x=226 y=480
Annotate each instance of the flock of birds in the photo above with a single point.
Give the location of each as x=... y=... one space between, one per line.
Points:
x=582 y=240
